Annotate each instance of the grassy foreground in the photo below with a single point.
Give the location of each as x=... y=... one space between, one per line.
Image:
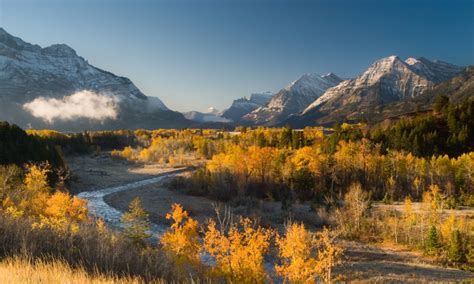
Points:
x=21 y=270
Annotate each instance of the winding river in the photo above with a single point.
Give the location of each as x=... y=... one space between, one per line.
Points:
x=100 y=209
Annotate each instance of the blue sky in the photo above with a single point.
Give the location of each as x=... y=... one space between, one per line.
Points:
x=197 y=54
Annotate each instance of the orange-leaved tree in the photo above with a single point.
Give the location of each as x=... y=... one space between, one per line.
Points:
x=304 y=257
x=238 y=251
x=181 y=240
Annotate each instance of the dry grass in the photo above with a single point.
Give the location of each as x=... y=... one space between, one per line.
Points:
x=15 y=270
x=91 y=249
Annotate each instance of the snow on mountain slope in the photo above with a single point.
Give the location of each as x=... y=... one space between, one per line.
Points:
x=211 y=116
x=53 y=74
x=243 y=106
x=435 y=71
x=387 y=80
x=292 y=99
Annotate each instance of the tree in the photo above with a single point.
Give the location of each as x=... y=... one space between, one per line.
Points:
x=36 y=178
x=441 y=103
x=350 y=217
x=432 y=241
x=305 y=257
x=456 y=252
x=136 y=223
x=329 y=254
x=238 y=251
x=409 y=218
x=181 y=241
x=296 y=251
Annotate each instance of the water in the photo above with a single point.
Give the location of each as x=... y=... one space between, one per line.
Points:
x=100 y=209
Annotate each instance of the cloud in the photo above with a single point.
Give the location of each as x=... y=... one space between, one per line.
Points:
x=83 y=104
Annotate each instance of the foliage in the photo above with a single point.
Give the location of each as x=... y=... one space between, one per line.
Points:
x=238 y=251
x=351 y=217
x=432 y=241
x=181 y=241
x=136 y=223
x=449 y=130
x=456 y=252
x=19 y=148
x=305 y=257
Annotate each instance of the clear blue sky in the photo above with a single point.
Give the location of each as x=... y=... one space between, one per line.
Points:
x=195 y=54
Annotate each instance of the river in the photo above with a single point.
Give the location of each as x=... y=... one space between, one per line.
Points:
x=100 y=209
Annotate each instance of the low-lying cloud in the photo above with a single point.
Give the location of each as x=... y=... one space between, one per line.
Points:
x=83 y=104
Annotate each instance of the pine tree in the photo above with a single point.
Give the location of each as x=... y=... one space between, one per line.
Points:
x=136 y=223
x=432 y=242
x=456 y=251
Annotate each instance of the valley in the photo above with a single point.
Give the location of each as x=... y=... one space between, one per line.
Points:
x=207 y=141
x=362 y=262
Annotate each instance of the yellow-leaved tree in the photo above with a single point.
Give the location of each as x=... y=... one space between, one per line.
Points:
x=305 y=257
x=238 y=251
x=64 y=212
x=181 y=240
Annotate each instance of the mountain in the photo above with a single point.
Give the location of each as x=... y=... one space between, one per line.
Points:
x=386 y=81
x=53 y=87
x=211 y=116
x=292 y=99
x=457 y=89
x=243 y=106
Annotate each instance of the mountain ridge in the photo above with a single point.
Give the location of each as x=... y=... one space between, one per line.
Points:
x=292 y=99
x=386 y=81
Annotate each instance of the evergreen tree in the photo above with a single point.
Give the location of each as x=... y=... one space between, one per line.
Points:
x=432 y=242
x=456 y=251
x=136 y=223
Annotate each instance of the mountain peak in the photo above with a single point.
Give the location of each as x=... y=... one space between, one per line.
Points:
x=60 y=49
x=434 y=70
x=333 y=78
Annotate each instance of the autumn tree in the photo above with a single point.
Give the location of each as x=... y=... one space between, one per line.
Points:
x=305 y=257
x=63 y=212
x=329 y=254
x=238 y=251
x=136 y=223
x=409 y=219
x=350 y=217
x=181 y=240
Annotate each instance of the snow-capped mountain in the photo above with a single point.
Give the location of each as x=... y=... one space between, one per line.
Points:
x=243 y=106
x=387 y=80
x=293 y=99
x=435 y=71
x=212 y=115
x=49 y=87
